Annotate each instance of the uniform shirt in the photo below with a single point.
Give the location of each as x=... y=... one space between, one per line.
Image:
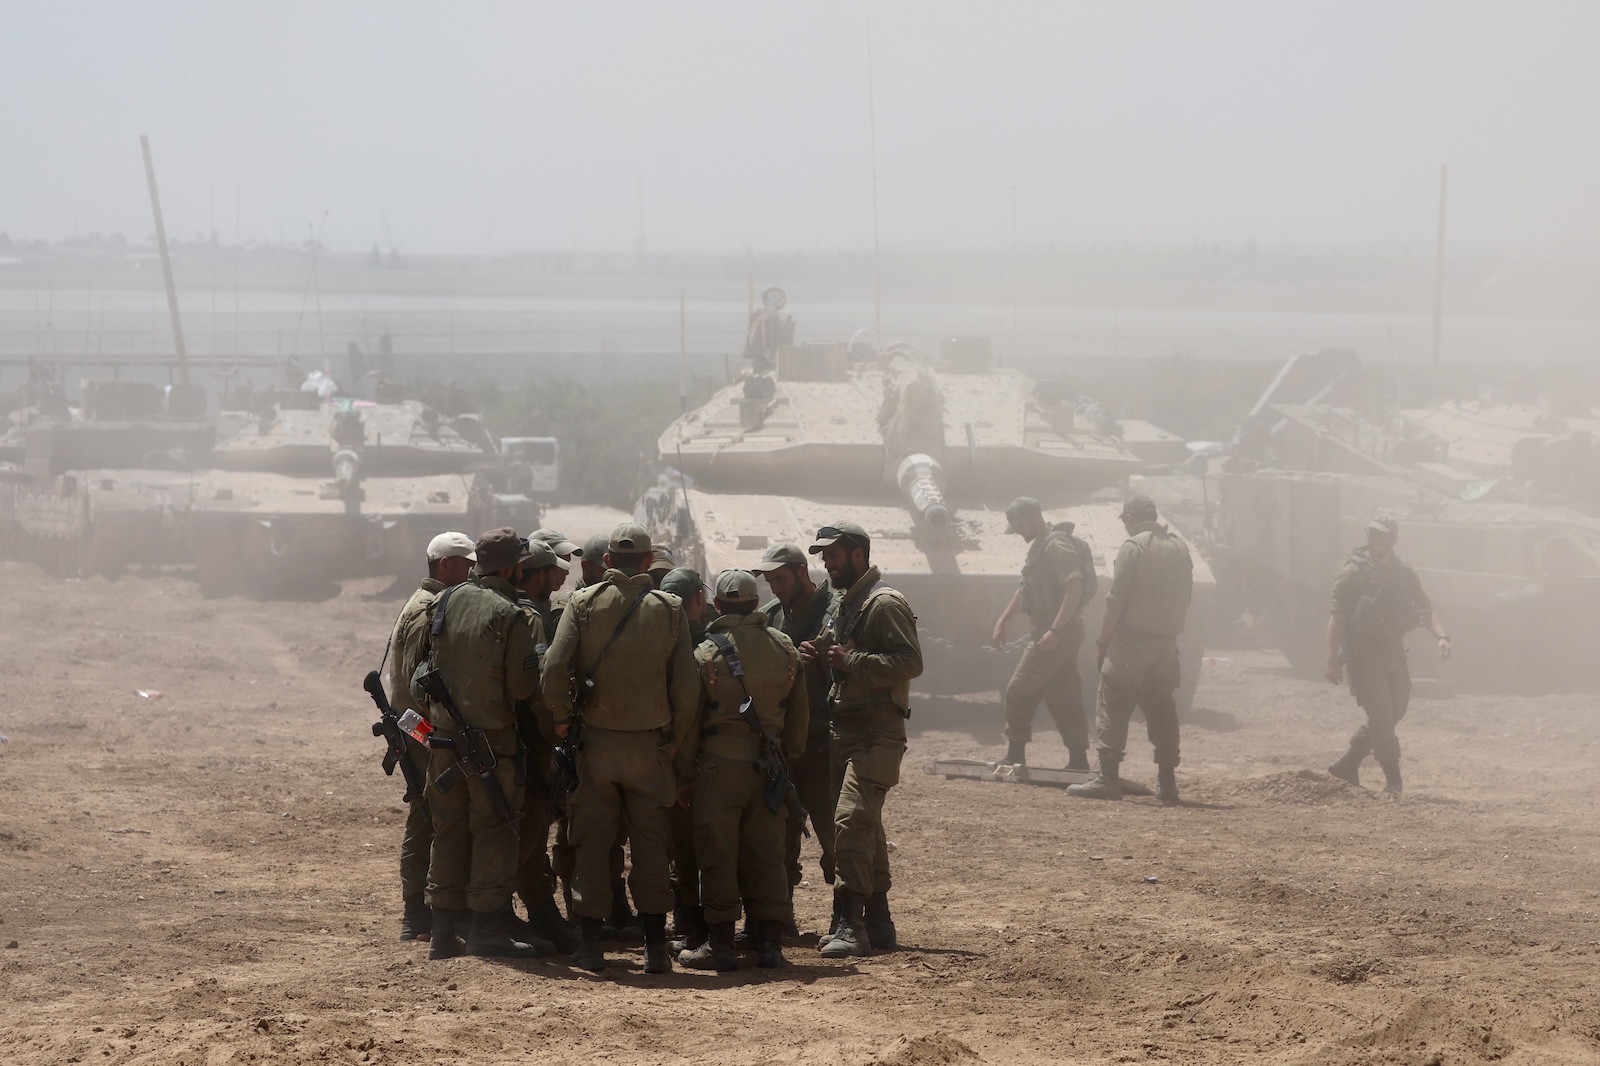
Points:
x=801 y=625
x=887 y=654
x=1394 y=601
x=485 y=654
x=1153 y=580
x=647 y=679
x=1051 y=564
x=773 y=678
x=407 y=644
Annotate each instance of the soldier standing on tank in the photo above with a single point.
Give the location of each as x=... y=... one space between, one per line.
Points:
x=543 y=571
x=688 y=919
x=1376 y=599
x=870 y=647
x=449 y=563
x=483 y=646
x=798 y=609
x=739 y=840
x=633 y=641
x=1051 y=595
x=1151 y=585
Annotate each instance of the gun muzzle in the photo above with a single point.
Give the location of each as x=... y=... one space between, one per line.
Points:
x=921 y=481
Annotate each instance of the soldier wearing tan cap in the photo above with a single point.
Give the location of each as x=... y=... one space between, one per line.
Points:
x=632 y=642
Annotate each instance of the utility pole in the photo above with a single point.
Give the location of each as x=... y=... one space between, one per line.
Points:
x=877 y=270
x=1438 y=266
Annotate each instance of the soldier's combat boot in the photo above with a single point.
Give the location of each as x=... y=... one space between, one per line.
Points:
x=1078 y=759
x=591 y=953
x=656 y=959
x=1391 y=777
x=448 y=925
x=623 y=924
x=833 y=922
x=851 y=938
x=1167 y=786
x=744 y=938
x=1105 y=786
x=1348 y=767
x=688 y=927
x=880 y=925
x=545 y=921
x=495 y=934
x=416 y=923
x=1016 y=753
x=716 y=953
x=769 y=945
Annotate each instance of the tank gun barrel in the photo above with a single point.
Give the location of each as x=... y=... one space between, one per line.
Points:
x=921 y=481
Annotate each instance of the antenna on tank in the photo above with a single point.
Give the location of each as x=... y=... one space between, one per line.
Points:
x=166 y=263
x=877 y=270
x=1438 y=266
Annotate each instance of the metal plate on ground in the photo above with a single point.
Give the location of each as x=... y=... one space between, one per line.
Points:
x=978 y=770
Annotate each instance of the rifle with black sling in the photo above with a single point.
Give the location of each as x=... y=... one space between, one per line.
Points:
x=779 y=790
x=388 y=727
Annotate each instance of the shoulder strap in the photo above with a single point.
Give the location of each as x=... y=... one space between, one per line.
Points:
x=854 y=617
x=617 y=632
x=438 y=608
x=726 y=649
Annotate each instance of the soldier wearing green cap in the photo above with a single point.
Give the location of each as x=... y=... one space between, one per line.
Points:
x=1051 y=594
x=1376 y=599
x=869 y=645
x=1151 y=585
x=739 y=840
x=632 y=642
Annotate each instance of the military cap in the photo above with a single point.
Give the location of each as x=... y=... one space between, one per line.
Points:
x=595 y=547
x=661 y=559
x=737 y=586
x=538 y=554
x=1384 y=523
x=779 y=556
x=1022 y=505
x=1139 y=507
x=630 y=538
x=846 y=531
x=498 y=549
x=558 y=542
x=450 y=546
x=683 y=582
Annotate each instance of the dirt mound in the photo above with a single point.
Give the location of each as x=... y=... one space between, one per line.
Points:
x=1309 y=787
x=933 y=1049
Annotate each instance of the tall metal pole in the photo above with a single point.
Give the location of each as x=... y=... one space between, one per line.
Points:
x=166 y=263
x=1438 y=266
x=683 y=355
x=877 y=271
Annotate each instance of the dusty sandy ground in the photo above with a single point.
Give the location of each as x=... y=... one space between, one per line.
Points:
x=209 y=877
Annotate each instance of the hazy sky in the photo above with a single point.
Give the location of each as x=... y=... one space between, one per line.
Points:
x=471 y=127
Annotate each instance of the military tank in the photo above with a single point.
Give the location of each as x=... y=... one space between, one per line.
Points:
x=925 y=453
x=308 y=489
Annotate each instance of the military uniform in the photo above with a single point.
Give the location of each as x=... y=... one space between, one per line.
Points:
x=811 y=771
x=406 y=649
x=1052 y=564
x=688 y=920
x=1151 y=585
x=738 y=840
x=645 y=683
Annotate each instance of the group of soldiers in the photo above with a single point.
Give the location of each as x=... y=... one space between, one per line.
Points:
x=700 y=733
x=631 y=713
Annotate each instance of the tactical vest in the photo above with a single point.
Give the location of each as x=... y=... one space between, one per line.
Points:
x=1163 y=582
x=852 y=693
x=469 y=651
x=770 y=666
x=1042 y=587
x=1386 y=609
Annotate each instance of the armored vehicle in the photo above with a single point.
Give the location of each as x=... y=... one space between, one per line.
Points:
x=925 y=454
x=308 y=489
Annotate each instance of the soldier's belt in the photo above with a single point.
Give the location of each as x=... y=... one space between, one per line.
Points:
x=868 y=703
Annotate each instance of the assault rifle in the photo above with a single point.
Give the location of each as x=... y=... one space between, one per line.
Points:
x=470 y=746
x=779 y=790
x=388 y=727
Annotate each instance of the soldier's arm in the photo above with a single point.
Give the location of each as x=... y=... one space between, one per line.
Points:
x=890 y=627
x=796 y=716
x=1014 y=606
x=683 y=677
x=555 y=679
x=1117 y=596
x=522 y=657
x=1063 y=559
x=686 y=729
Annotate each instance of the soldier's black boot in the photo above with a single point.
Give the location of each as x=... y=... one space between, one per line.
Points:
x=495 y=933
x=656 y=959
x=545 y=921
x=623 y=924
x=744 y=938
x=1391 y=777
x=851 y=938
x=689 y=927
x=1016 y=753
x=833 y=922
x=448 y=925
x=1167 y=785
x=769 y=945
x=880 y=925
x=1105 y=786
x=416 y=923
x=716 y=953
x=1078 y=759
x=1348 y=767
x=591 y=953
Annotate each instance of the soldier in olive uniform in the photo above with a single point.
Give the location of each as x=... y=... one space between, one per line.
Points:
x=1376 y=599
x=543 y=571
x=688 y=919
x=870 y=647
x=799 y=608
x=483 y=646
x=633 y=642
x=449 y=562
x=1151 y=585
x=739 y=840
x=1051 y=595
